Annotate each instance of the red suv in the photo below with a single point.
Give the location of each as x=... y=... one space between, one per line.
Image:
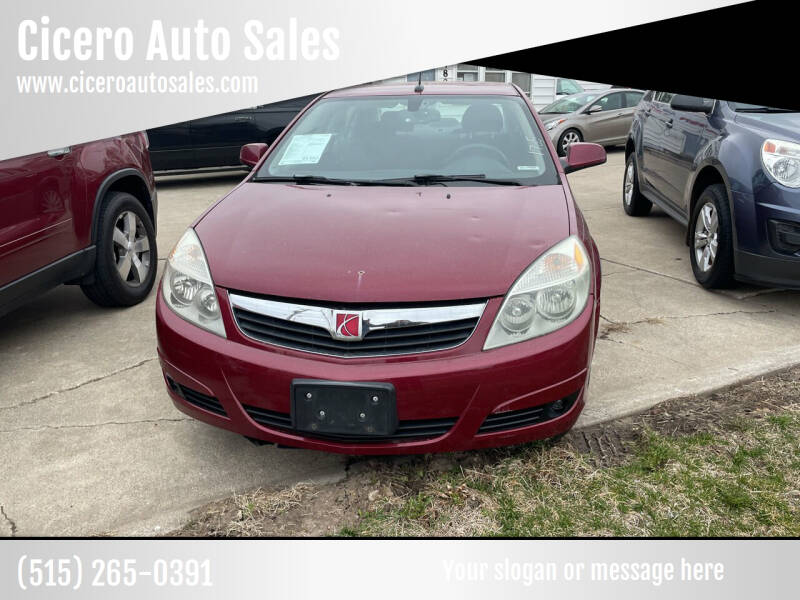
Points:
x=404 y=270
x=80 y=215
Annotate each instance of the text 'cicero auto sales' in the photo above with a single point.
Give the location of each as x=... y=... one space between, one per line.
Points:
x=43 y=40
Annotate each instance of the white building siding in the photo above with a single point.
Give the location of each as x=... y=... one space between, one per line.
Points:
x=544 y=90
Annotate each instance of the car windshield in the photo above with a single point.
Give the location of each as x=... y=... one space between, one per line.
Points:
x=414 y=140
x=568 y=104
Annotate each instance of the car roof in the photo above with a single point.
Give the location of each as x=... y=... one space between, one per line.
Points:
x=601 y=92
x=596 y=93
x=429 y=87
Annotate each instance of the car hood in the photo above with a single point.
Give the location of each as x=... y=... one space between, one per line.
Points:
x=379 y=244
x=786 y=125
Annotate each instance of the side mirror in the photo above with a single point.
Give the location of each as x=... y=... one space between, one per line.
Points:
x=581 y=155
x=594 y=109
x=250 y=154
x=691 y=104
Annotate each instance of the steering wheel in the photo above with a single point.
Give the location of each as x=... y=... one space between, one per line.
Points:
x=478 y=148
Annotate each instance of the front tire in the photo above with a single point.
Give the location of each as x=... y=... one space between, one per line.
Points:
x=634 y=203
x=569 y=137
x=127 y=257
x=711 y=245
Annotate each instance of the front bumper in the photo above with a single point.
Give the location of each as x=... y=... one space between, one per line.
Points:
x=555 y=133
x=755 y=257
x=464 y=384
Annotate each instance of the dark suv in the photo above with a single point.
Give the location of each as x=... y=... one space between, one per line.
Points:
x=728 y=171
x=83 y=215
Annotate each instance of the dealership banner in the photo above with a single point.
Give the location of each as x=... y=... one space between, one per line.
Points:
x=72 y=72
x=388 y=570
x=231 y=307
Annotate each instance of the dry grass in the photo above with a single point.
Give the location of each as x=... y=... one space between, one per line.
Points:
x=724 y=465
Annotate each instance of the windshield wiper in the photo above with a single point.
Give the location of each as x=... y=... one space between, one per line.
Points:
x=427 y=179
x=423 y=179
x=320 y=180
x=765 y=109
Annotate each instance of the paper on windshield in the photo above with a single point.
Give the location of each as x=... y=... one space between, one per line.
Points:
x=305 y=149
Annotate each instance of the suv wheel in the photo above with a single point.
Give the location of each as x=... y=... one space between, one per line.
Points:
x=634 y=203
x=569 y=137
x=127 y=258
x=712 y=239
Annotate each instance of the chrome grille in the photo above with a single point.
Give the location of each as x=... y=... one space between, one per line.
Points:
x=388 y=330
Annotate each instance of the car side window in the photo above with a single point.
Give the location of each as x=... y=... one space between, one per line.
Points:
x=632 y=99
x=610 y=102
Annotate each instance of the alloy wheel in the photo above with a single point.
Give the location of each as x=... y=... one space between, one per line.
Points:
x=706 y=237
x=628 y=186
x=131 y=248
x=569 y=138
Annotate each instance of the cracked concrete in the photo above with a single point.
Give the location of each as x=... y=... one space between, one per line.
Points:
x=652 y=320
x=91 y=425
x=91 y=443
x=76 y=386
x=634 y=268
x=9 y=528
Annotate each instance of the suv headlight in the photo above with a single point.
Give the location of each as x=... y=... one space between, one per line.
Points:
x=549 y=294
x=187 y=285
x=782 y=160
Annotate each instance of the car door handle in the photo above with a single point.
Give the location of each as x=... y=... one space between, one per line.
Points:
x=620 y=114
x=59 y=152
x=243 y=118
x=668 y=123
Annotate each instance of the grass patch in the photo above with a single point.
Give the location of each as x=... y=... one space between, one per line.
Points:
x=724 y=465
x=739 y=483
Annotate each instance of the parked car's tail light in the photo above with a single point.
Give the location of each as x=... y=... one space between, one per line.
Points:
x=550 y=294
x=782 y=160
x=187 y=286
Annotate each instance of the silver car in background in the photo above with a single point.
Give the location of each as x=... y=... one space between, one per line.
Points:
x=601 y=117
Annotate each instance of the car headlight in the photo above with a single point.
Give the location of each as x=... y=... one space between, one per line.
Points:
x=549 y=294
x=187 y=285
x=782 y=160
x=553 y=124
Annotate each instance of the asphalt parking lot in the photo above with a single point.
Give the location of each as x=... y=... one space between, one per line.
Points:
x=91 y=444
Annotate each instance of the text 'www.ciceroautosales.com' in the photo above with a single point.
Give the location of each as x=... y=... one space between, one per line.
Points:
x=150 y=83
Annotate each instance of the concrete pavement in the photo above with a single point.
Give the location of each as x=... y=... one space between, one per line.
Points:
x=91 y=443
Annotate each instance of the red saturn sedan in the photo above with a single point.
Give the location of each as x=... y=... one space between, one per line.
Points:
x=404 y=270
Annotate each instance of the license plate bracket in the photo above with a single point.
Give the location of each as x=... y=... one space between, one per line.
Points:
x=360 y=409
